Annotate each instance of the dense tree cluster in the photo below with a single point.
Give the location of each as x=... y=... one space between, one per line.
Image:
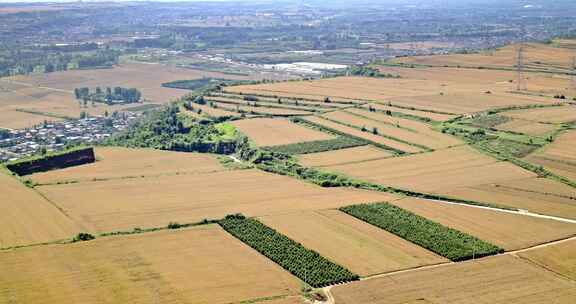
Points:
x=108 y=95
x=304 y=263
x=447 y=242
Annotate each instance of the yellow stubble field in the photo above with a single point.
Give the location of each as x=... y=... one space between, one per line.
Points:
x=359 y=246
x=501 y=279
x=274 y=132
x=115 y=163
x=343 y=156
x=28 y=218
x=123 y=204
x=506 y=230
x=560 y=258
x=200 y=265
x=559 y=156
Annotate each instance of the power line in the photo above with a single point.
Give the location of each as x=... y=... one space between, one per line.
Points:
x=520 y=75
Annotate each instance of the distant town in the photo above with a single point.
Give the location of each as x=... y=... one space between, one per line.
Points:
x=54 y=136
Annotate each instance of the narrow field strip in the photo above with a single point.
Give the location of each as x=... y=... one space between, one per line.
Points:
x=337 y=143
x=306 y=264
x=447 y=242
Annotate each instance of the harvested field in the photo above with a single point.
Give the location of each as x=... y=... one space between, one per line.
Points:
x=538 y=57
x=365 y=135
x=559 y=156
x=261 y=110
x=344 y=156
x=28 y=218
x=127 y=203
x=506 y=230
x=502 y=279
x=358 y=246
x=464 y=173
x=198 y=265
x=560 y=258
x=215 y=112
x=115 y=163
x=274 y=132
x=549 y=114
x=436 y=171
x=551 y=200
x=12 y=119
x=425 y=114
x=454 y=90
x=461 y=103
x=405 y=129
x=527 y=127
x=286 y=101
x=53 y=93
x=260 y=104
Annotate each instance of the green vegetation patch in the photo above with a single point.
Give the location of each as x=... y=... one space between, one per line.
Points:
x=508 y=147
x=51 y=161
x=447 y=242
x=316 y=146
x=304 y=263
x=487 y=121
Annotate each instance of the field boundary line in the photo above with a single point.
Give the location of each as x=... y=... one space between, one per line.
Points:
x=518 y=212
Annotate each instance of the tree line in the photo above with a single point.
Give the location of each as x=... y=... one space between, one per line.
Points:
x=108 y=95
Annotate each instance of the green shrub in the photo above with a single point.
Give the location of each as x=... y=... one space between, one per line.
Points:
x=447 y=242
x=83 y=237
x=306 y=264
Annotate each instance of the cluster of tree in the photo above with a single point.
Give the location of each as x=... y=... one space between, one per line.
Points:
x=445 y=241
x=304 y=263
x=108 y=95
x=21 y=62
x=366 y=71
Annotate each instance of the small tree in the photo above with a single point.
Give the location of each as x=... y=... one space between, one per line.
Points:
x=83 y=237
x=375 y=131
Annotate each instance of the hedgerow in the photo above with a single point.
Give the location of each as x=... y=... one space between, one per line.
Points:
x=306 y=264
x=447 y=242
x=337 y=143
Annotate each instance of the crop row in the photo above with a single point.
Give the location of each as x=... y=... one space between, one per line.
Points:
x=306 y=264
x=337 y=143
x=447 y=242
x=309 y=124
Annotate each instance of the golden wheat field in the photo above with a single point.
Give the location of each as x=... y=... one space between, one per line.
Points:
x=364 y=134
x=556 y=115
x=560 y=258
x=337 y=157
x=360 y=247
x=537 y=57
x=507 y=230
x=502 y=279
x=274 y=132
x=527 y=127
x=122 y=204
x=117 y=163
x=28 y=218
x=558 y=157
x=197 y=265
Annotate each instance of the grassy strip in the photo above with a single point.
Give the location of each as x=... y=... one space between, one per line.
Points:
x=329 y=130
x=293 y=98
x=442 y=240
x=337 y=143
x=316 y=104
x=381 y=135
x=256 y=104
x=389 y=104
x=304 y=263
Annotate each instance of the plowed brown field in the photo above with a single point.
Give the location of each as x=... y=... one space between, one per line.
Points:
x=198 y=265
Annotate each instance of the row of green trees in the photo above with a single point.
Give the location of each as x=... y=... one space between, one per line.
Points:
x=338 y=143
x=447 y=242
x=108 y=95
x=304 y=263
